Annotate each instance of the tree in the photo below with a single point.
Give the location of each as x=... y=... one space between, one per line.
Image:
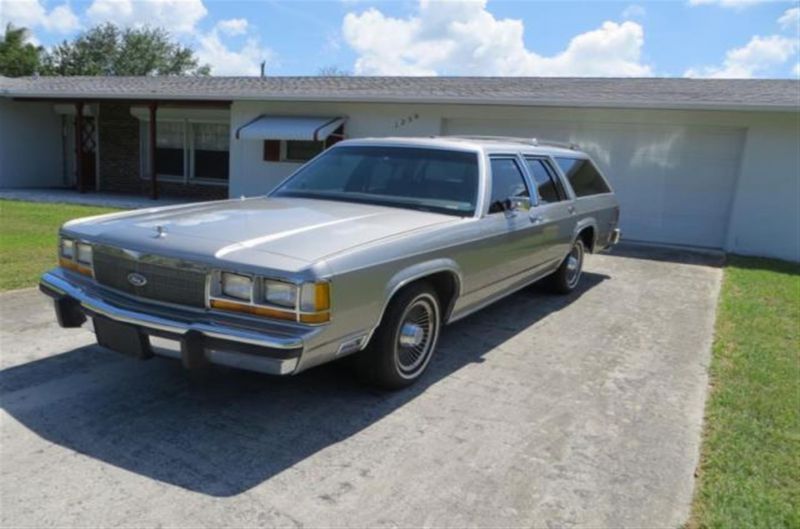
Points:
x=18 y=57
x=109 y=50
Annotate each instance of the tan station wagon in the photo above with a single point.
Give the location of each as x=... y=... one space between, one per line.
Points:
x=366 y=250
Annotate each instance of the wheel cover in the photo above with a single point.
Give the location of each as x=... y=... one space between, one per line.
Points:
x=574 y=265
x=416 y=336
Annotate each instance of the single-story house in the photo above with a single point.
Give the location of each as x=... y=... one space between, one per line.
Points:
x=706 y=163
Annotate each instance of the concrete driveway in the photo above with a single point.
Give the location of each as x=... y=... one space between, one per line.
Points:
x=538 y=411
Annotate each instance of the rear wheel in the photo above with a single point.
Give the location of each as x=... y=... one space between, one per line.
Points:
x=566 y=278
x=403 y=343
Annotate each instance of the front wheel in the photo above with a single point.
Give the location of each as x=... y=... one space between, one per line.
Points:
x=566 y=278
x=403 y=343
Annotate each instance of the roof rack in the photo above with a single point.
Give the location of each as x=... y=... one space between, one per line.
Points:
x=514 y=139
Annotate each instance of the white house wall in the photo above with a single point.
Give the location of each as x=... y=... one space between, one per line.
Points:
x=30 y=145
x=765 y=219
x=742 y=167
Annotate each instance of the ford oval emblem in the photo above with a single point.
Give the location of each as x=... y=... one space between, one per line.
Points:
x=136 y=279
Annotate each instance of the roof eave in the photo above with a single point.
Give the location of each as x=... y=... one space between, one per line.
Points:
x=428 y=100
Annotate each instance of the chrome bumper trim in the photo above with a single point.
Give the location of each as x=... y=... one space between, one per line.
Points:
x=270 y=366
x=59 y=282
x=615 y=236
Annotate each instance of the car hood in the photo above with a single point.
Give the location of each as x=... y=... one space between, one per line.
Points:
x=299 y=229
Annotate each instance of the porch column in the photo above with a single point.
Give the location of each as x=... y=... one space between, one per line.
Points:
x=79 y=147
x=153 y=180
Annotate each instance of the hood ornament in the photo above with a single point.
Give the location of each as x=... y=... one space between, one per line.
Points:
x=161 y=232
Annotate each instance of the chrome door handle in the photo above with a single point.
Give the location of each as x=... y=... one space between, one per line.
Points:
x=571 y=209
x=537 y=219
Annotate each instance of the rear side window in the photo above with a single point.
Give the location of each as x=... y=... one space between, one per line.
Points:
x=583 y=177
x=507 y=182
x=548 y=187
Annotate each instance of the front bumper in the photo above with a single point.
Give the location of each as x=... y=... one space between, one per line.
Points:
x=203 y=336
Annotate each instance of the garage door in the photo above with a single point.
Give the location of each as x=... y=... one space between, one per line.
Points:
x=675 y=183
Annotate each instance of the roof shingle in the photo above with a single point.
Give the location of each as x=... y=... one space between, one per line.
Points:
x=733 y=94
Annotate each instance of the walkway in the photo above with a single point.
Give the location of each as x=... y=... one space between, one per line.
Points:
x=93 y=198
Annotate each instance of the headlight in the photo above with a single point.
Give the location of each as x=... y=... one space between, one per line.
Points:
x=236 y=286
x=272 y=298
x=75 y=256
x=84 y=253
x=280 y=293
x=68 y=248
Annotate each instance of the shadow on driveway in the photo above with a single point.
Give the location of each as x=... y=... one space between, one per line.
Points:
x=233 y=430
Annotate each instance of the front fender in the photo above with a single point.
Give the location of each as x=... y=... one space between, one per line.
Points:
x=418 y=271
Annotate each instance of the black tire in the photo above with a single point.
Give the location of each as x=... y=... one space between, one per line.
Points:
x=392 y=360
x=566 y=278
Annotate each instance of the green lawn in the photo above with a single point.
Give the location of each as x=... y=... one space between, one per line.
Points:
x=750 y=460
x=28 y=238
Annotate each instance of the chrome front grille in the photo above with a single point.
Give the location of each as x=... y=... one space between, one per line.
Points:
x=167 y=280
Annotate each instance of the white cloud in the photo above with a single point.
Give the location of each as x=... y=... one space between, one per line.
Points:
x=32 y=14
x=465 y=38
x=790 y=20
x=735 y=4
x=333 y=43
x=178 y=16
x=796 y=70
x=757 y=56
x=233 y=26
x=61 y=19
x=226 y=61
x=634 y=11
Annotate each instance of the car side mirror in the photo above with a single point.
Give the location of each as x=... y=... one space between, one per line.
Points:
x=515 y=204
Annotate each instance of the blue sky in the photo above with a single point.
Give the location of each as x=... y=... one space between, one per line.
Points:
x=698 y=38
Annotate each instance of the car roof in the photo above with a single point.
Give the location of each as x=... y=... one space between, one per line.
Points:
x=485 y=144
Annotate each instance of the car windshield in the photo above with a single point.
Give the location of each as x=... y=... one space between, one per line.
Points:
x=434 y=180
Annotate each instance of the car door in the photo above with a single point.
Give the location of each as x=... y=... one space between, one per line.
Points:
x=554 y=211
x=513 y=242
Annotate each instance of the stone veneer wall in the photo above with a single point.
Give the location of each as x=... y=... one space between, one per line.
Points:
x=119 y=159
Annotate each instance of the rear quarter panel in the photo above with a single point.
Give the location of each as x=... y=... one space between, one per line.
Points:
x=599 y=211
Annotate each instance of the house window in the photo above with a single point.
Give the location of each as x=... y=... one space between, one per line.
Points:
x=170 y=143
x=301 y=151
x=188 y=151
x=211 y=150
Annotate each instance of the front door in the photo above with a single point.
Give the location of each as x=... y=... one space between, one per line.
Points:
x=513 y=241
x=88 y=147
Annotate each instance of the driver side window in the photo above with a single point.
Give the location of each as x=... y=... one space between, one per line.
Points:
x=507 y=182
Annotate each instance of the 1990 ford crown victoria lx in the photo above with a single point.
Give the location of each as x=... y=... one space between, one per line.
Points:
x=368 y=249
